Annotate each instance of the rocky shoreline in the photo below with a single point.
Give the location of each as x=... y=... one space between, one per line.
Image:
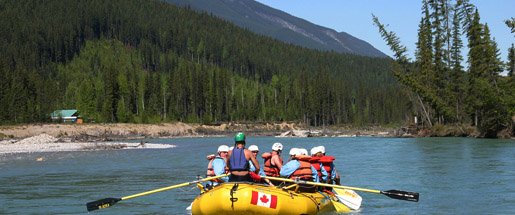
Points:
x=47 y=143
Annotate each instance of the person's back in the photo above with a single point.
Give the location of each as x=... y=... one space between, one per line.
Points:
x=328 y=164
x=273 y=161
x=299 y=167
x=315 y=161
x=239 y=160
x=304 y=171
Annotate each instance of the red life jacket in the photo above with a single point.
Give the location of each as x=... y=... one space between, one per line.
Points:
x=211 y=172
x=304 y=171
x=315 y=162
x=326 y=163
x=270 y=169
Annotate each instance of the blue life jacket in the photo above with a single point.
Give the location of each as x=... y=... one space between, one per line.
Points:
x=238 y=161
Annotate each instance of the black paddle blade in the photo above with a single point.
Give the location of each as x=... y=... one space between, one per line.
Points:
x=102 y=203
x=402 y=195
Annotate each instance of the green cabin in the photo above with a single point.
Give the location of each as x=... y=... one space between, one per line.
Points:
x=65 y=116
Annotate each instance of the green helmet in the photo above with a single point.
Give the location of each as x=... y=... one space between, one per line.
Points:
x=239 y=137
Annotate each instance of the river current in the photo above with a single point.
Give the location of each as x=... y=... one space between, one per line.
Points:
x=452 y=175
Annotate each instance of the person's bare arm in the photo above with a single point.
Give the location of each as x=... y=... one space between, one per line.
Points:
x=337 y=178
x=277 y=162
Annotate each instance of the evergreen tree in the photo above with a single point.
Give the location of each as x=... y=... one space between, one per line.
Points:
x=484 y=96
x=86 y=100
x=511 y=24
x=511 y=61
x=456 y=82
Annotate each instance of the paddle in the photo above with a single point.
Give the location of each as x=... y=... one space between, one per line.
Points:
x=339 y=207
x=395 y=194
x=349 y=198
x=107 y=202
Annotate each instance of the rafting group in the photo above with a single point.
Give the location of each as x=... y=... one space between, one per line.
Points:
x=242 y=187
x=243 y=165
x=237 y=185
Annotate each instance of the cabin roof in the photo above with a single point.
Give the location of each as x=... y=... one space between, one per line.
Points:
x=64 y=113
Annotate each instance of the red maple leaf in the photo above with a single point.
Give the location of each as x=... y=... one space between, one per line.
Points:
x=264 y=199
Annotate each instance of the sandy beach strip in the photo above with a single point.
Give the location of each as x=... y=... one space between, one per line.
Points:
x=47 y=143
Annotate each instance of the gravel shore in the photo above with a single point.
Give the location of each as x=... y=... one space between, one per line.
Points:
x=47 y=143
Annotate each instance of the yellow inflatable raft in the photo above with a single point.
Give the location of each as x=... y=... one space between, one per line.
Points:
x=250 y=198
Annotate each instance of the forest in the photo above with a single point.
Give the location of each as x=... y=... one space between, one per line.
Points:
x=440 y=88
x=148 y=61
x=145 y=61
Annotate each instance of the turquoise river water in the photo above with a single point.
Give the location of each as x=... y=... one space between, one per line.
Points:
x=452 y=175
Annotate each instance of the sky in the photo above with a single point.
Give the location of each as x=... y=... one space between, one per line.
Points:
x=402 y=17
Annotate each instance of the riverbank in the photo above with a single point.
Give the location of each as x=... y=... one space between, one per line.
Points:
x=75 y=137
x=126 y=131
x=69 y=137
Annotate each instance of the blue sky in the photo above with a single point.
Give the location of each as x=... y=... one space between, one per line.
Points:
x=402 y=16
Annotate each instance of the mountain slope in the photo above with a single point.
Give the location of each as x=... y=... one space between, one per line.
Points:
x=268 y=21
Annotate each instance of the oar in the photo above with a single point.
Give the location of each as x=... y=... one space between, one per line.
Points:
x=395 y=194
x=340 y=207
x=107 y=202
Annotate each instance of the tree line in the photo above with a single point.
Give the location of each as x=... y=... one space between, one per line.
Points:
x=441 y=89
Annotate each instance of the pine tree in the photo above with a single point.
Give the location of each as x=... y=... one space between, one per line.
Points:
x=511 y=62
x=86 y=100
x=456 y=82
x=511 y=24
x=483 y=94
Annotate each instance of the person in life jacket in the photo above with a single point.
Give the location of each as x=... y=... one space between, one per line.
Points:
x=238 y=160
x=255 y=152
x=217 y=165
x=299 y=168
x=317 y=164
x=327 y=163
x=273 y=161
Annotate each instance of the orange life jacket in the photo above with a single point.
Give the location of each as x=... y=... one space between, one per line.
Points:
x=211 y=172
x=304 y=171
x=270 y=169
x=326 y=162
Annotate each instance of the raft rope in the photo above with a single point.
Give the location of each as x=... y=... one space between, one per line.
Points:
x=233 y=190
x=324 y=195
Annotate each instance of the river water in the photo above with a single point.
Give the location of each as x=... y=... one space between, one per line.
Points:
x=452 y=175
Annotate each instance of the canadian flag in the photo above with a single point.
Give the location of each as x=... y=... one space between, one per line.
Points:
x=263 y=199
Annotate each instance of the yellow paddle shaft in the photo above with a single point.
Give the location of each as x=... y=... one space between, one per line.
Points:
x=174 y=186
x=322 y=184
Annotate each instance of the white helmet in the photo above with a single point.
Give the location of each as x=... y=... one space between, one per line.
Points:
x=322 y=149
x=253 y=148
x=223 y=148
x=294 y=151
x=277 y=147
x=315 y=150
x=303 y=151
